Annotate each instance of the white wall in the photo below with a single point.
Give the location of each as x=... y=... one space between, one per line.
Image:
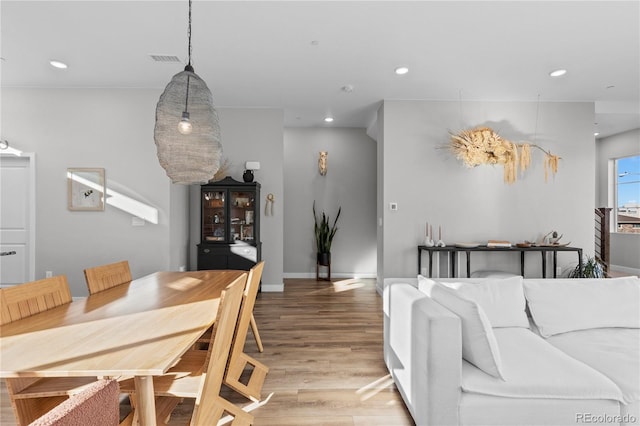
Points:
x=625 y=248
x=253 y=134
x=350 y=183
x=474 y=205
x=113 y=129
x=110 y=129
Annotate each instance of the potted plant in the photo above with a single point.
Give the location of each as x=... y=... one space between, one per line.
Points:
x=592 y=268
x=324 y=235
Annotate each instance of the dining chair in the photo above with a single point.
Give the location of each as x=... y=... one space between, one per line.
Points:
x=239 y=360
x=32 y=396
x=206 y=337
x=199 y=374
x=100 y=278
x=96 y=405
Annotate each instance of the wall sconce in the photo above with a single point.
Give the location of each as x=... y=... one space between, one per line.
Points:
x=322 y=163
x=250 y=166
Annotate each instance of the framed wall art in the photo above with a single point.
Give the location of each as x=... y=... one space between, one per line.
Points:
x=85 y=189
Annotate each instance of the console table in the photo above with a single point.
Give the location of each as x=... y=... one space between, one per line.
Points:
x=453 y=250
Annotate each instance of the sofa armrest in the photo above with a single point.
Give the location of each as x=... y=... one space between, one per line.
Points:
x=423 y=352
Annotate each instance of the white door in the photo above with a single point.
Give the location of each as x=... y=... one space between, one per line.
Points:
x=17 y=219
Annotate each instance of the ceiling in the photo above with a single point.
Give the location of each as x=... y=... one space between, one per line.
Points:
x=302 y=56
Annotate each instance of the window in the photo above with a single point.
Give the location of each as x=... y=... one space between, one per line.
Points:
x=628 y=194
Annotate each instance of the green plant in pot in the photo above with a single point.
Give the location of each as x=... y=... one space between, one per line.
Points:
x=592 y=268
x=324 y=235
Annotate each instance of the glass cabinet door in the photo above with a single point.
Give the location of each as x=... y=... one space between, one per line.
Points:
x=213 y=216
x=242 y=211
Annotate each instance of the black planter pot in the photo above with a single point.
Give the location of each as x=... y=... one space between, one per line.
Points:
x=247 y=176
x=324 y=259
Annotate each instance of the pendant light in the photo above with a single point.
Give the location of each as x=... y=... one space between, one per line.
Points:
x=187 y=132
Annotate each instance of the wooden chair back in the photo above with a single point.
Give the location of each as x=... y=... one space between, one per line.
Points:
x=104 y=277
x=24 y=300
x=97 y=405
x=246 y=312
x=250 y=387
x=207 y=403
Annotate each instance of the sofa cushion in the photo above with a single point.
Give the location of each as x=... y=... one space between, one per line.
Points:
x=479 y=345
x=615 y=352
x=501 y=299
x=533 y=368
x=562 y=305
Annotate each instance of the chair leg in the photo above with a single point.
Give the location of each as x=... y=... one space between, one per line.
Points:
x=256 y=335
x=253 y=387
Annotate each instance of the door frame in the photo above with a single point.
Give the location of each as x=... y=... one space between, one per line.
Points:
x=31 y=156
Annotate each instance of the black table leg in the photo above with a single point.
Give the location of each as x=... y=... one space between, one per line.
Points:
x=522 y=263
x=468 y=264
x=544 y=264
x=555 y=264
x=580 y=263
x=419 y=261
x=453 y=257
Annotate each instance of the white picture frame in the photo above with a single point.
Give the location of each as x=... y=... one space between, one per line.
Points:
x=85 y=189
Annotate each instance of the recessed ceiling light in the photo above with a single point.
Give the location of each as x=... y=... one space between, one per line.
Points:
x=328 y=120
x=401 y=70
x=58 y=64
x=596 y=133
x=557 y=73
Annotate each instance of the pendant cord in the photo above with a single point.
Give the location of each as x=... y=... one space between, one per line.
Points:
x=186 y=102
x=189 y=34
x=188 y=67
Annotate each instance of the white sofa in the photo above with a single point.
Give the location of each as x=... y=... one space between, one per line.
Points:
x=571 y=357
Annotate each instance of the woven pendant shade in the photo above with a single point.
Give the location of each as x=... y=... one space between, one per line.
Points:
x=195 y=157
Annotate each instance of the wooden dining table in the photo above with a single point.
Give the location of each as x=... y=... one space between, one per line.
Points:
x=137 y=329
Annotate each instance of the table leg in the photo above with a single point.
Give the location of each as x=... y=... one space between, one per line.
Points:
x=580 y=263
x=555 y=264
x=468 y=264
x=146 y=404
x=522 y=263
x=419 y=261
x=454 y=259
x=544 y=264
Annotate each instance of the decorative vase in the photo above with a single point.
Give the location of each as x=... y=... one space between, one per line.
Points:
x=247 y=176
x=324 y=259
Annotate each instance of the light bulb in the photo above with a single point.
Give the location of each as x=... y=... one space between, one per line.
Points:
x=185 y=126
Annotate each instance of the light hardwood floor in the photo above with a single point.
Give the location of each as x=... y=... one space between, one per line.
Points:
x=323 y=345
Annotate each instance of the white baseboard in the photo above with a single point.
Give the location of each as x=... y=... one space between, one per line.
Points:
x=626 y=270
x=312 y=275
x=274 y=288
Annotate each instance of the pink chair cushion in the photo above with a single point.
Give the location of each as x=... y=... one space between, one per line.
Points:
x=97 y=405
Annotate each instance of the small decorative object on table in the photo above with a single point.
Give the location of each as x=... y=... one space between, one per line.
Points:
x=440 y=242
x=428 y=240
x=498 y=243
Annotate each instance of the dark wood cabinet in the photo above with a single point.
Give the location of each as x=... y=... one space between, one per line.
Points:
x=229 y=225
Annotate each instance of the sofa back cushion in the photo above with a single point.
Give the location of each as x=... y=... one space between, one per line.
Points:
x=501 y=299
x=560 y=306
x=479 y=346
